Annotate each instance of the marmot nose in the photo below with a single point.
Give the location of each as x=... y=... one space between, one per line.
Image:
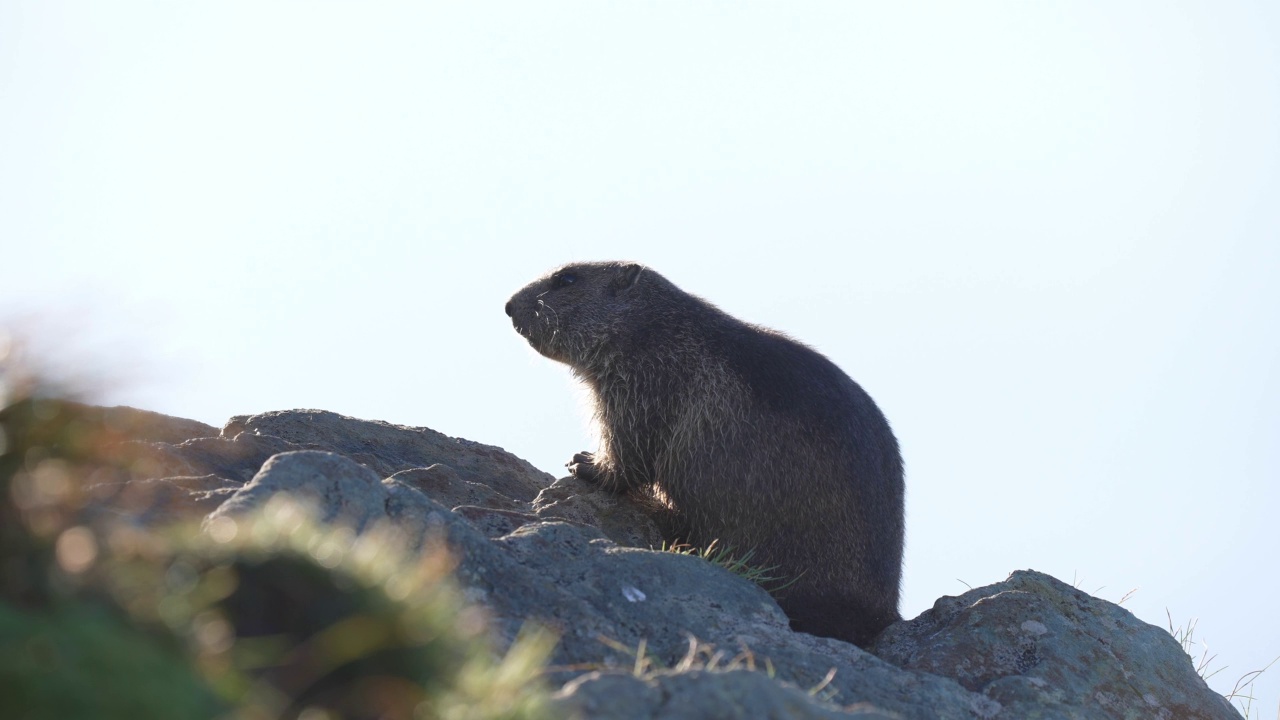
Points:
x=508 y=308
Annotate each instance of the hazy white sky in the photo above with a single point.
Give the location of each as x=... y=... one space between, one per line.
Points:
x=1044 y=236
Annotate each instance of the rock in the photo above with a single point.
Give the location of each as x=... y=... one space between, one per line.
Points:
x=151 y=502
x=387 y=449
x=461 y=471
x=443 y=484
x=494 y=523
x=144 y=425
x=1033 y=642
x=343 y=491
x=565 y=555
x=621 y=520
x=235 y=460
x=698 y=695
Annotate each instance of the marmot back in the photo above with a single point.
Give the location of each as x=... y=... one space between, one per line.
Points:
x=750 y=437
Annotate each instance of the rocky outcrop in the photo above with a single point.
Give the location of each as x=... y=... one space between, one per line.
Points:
x=1038 y=646
x=645 y=633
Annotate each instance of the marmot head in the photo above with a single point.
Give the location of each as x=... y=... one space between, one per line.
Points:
x=571 y=313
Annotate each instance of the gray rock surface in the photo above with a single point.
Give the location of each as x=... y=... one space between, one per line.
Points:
x=700 y=695
x=621 y=520
x=658 y=634
x=1035 y=644
x=175 y=453
x=340 y=489
x=143 y=425
x=387 y=449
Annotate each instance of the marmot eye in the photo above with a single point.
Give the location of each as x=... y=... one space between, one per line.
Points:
x=563 y=279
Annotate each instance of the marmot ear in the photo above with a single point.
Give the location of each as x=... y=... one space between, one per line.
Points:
x=626 y=276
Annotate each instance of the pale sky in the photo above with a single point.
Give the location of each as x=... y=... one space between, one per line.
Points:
x=1044 y=236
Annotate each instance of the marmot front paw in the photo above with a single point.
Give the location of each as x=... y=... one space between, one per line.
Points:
x=583 y=466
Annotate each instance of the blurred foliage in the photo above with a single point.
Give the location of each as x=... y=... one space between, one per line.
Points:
x=77 y=661
x=269 y=616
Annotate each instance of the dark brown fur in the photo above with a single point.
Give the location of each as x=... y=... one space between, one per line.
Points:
x=748 y=436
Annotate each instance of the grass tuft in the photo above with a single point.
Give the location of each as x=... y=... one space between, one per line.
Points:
x=738 y=564
x=1242 y=692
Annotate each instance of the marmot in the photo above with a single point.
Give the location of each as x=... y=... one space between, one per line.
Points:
x=747 y=436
